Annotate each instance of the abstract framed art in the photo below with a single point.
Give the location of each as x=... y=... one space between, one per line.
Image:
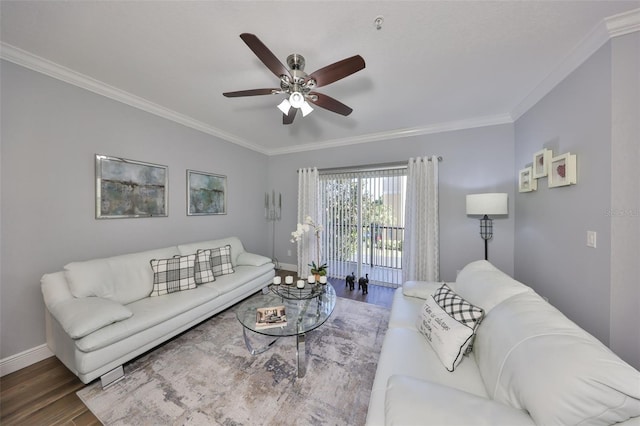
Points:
x=562 y=170
x=526 y=182
x=206 y=193
x=128 y=188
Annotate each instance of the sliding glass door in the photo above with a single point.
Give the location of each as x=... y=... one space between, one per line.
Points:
x=363 y=214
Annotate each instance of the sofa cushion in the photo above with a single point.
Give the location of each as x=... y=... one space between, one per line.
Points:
x=124 y=279
x=236 y=247
x=251 y=259
x=175 y=274
x=410 y=401
x=79 y=317
x=532 y=357
x=147 y=313
x=221 y=261
x=448 y=322
x=243 y=274
x=405 y=310
x=203 y=272
x=484 y=285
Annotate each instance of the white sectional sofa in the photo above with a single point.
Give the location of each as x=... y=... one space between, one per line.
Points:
x=100 y=313
x=529 y=364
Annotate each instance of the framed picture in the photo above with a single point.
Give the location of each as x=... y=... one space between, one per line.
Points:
x=562 y=170
x=541 y=160
x=128 y=188
x=206 y=193
x=526 y=182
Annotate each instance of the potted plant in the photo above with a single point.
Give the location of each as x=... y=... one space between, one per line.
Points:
x=317 y=269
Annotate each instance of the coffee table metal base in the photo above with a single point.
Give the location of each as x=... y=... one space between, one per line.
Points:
x=300 y=350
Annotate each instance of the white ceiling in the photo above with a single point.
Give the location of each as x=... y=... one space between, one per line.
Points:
x=434 y=65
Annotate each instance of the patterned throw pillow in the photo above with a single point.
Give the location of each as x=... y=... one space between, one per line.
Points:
x=171 y=275
x=203 y=271
x=221 y=261
x=449 y=323
x=461 y=310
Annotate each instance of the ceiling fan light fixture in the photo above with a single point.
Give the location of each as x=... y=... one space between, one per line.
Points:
x=284 y=106
x=305 y=108
x=296 y=100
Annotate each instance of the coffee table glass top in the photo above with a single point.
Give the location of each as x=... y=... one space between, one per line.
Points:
x=302 y=315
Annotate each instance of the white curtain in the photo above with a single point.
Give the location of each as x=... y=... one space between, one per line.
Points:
x=307 y=206
x=421 y=249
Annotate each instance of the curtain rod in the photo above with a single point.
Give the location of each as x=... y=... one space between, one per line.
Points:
x=370 y=167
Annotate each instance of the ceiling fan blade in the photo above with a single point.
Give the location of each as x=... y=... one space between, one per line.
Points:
x=288 y=118
x=265 y=55
x=337 y=70
x=327 y=102
x=252 y=92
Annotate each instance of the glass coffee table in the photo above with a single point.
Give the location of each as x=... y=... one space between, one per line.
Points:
x=305 y=310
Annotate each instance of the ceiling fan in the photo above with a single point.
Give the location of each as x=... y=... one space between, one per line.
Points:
x=298 y=84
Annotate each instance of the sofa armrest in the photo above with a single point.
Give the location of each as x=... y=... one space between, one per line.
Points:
x=420 y=289
x=410 y=401
x=251 y=259
x=82 y=316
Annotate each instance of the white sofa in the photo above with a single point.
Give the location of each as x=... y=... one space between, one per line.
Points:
x=529 y=365
x=99 y=313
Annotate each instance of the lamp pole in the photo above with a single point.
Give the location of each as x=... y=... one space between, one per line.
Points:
x=486 y=232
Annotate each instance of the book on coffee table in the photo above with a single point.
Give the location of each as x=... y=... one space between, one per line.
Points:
x=273 y=316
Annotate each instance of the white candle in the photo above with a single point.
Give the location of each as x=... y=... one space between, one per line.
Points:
x=323 y=279
x=300 y=284
x=277 y=280
x=311 y=279
x=288 y=279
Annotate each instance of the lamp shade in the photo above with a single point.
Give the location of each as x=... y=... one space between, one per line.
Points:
x=487 y=204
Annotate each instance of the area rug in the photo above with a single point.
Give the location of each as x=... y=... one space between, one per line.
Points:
x=207 y=376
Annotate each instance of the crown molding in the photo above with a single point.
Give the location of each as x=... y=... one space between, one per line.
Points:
x=51 y=69
x=623 y=23
x=400 y=133
x=613 y=26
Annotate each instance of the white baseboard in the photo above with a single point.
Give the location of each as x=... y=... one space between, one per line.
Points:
x=288 y=267
x=24 y=359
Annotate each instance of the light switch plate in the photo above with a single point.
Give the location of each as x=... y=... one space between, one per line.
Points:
x=591 y=239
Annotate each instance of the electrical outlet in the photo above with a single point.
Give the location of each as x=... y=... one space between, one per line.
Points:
x=591 y=239
x=288 y=252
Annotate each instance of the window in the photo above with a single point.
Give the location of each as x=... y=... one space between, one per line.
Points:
x=363 y=214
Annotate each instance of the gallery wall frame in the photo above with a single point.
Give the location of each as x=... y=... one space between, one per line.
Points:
x=526 y=181
x=130 y=188
x=541 y=161
x=206 y=193
x=562 y=170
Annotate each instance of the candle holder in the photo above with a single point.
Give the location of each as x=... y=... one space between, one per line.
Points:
x=273 y=214
x=288 y=280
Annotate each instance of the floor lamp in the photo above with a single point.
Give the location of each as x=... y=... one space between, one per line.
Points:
x=485 y=205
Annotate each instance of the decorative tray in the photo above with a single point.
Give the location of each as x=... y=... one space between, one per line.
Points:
x=290 y=291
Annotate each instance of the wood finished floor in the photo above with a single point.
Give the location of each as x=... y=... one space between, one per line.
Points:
x=45 y=393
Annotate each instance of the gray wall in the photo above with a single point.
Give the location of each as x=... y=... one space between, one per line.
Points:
x=625 y=198
x=474 y=160
x=50 y=134
x=551 y=224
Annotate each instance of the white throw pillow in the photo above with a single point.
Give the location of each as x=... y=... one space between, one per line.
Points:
x=175 y=274
x=449 y=323
x=82 y=316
